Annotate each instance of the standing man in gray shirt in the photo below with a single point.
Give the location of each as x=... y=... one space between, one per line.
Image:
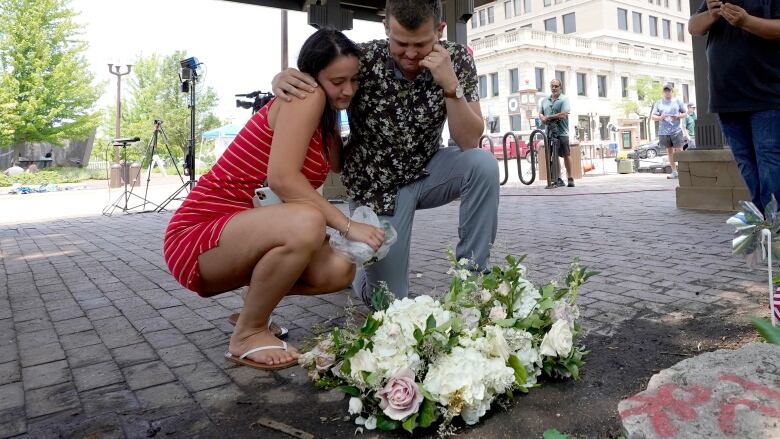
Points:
x=554 y=112
x=669 y=111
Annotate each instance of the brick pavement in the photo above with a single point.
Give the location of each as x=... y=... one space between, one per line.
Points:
x=96 y=337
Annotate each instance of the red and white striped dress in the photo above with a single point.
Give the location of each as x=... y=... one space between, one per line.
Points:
x=226 y=190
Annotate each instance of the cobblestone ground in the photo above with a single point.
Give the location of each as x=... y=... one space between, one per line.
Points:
x=98 y=340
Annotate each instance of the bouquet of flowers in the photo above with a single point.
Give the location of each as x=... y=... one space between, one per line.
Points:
x=420 y=361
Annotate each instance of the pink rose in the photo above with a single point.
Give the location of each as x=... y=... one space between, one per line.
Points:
x=400 y=397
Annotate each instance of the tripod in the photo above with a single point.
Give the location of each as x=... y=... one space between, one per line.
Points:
x=126 y=194
x=150 y=157
x=189 y=78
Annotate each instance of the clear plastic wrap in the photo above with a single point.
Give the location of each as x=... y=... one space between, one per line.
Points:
x=358 y=252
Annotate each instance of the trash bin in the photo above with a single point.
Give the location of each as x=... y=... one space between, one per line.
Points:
x=116 y=176
x=625 y=166
x=135 y=174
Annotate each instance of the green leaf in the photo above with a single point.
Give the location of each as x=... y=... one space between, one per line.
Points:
x=346 y=368
x=430 y=324
x=386 y=424
x=764 y=327
x=521 y=376
x=428 y=413
x=410 y=423
x=350 y=390
x=573 y=370
x=506 y=323
x=554 y=434
x=418 y=334
x=372 y=379
x=453 y=341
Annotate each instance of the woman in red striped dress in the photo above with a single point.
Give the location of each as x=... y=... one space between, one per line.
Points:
x=216 y=241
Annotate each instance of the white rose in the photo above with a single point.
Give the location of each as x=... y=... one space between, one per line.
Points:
x=557 y=342
x=355 y=406
x=497 y=313
x=503 y=289
x=485 y=296
x=497 y=345
x=370 y=423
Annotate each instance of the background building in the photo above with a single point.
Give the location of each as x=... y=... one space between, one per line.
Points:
x=597 y=48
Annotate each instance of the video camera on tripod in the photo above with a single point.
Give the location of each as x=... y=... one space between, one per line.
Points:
x=259 y=99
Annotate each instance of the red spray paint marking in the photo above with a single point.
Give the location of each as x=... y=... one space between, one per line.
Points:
x=656 y=407
x=728 y=409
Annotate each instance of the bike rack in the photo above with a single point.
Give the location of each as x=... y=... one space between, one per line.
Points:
x=505 y=147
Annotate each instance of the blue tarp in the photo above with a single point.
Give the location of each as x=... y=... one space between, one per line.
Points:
x=229 y=130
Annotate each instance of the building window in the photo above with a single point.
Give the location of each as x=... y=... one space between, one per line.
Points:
x=527 y=6
x=494 y=83
x=582 y=84
x=560 y=75
x=473 y=21
x=482 y=17
x=680 y=32
x=482 y=86
x=551 y=25
x=685 y=94
x=679 y=5
x=507 y=9
x=624 y=86
x=514 y=81
x=666 y=4
x=547 y=3
x=539 y=78
x=515 y=123
x=637 y=21
x=622 y=19
x=569 y=23
x=491 y=15
x=602 y=85
x=653 y=22
x=667 y=28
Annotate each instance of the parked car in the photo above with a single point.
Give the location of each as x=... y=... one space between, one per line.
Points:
x=512 y=152
x=653 y=149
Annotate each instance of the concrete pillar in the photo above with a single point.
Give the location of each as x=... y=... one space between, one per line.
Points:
x=708 y=133
x=456 y=14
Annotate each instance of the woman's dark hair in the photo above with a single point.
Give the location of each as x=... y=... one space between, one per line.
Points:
x=319 y=50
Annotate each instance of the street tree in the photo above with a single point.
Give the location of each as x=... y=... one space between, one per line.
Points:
x=46 y=89
x=647 y=91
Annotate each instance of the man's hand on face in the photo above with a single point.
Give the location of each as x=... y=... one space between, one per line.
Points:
x=735 y=15
x=438 y=62
x=291 y=82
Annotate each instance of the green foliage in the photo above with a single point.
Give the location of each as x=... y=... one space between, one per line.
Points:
x=554 y=434
x=53 y=176
x=770 y=333
x=648 y=92
x=46 y=90
x=153 y=92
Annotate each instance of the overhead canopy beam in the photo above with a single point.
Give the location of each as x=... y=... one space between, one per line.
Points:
x=340 y=13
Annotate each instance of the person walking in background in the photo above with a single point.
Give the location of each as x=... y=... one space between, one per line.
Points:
x=689 y=127
x=669 y=111
x=554 y=113
x=743 y=51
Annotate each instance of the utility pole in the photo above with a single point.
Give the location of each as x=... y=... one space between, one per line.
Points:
x=284 y=39
x=116 y=70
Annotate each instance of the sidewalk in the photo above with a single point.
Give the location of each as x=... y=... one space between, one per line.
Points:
x=97 y=339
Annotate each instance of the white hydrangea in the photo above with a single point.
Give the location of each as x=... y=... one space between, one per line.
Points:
x=563 y=311
x=475 y=377
x=470 y=317
x=526 y=300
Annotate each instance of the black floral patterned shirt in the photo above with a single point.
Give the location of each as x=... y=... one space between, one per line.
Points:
x=396 y=124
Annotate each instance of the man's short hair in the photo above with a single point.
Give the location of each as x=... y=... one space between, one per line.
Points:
x=411 y=14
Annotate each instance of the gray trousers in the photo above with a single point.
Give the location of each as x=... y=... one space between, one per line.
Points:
x=470 y=175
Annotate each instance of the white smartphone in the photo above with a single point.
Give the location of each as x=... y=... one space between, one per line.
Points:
x=264 y=196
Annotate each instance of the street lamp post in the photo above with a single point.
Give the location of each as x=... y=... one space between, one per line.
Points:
x=116 y=171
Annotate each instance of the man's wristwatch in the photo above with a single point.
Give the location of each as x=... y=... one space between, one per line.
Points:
x=455 y=95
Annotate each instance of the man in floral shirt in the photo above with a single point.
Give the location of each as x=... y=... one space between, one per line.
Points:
x=410 y=84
